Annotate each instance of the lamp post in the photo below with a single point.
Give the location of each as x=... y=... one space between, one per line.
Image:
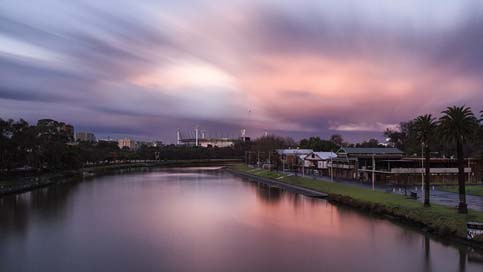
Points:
x=331 y=170
x=469 y=172
x=269 y=162
x=373 y=171
x=422 y=166
x=283 y=163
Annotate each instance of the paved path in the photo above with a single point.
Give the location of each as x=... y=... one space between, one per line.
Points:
x=436 y=196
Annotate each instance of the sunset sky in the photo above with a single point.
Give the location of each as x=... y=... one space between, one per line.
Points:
x=145 y=68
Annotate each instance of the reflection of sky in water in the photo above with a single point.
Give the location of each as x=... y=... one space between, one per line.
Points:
x=204 y=220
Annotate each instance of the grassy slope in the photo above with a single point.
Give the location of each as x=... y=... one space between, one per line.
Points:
x=476 y=190
x=443 y=219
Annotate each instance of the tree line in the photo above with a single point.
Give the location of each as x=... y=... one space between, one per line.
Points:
x=49 y=146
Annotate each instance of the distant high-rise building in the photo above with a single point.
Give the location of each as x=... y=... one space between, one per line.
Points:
x=85 y=137
x=127 y=143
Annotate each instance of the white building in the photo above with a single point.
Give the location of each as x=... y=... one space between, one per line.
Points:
x=129 y=143
x=319 y=160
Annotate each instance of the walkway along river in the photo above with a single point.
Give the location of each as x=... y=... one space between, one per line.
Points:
x=205 y=219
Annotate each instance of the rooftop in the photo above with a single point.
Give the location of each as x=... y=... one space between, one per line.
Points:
x=322 y=155
x=294 y=151
x=370 y=150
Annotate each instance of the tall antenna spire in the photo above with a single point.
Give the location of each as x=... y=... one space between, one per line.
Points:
x=243 y=131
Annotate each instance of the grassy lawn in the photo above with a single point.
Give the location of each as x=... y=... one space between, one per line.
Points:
x=476 y=190
x=7 y=182
x=441 y=218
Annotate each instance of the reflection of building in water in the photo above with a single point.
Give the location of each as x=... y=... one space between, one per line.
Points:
x=268 y=193
x=474 y=255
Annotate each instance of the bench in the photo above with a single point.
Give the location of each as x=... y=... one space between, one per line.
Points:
x=413 y=195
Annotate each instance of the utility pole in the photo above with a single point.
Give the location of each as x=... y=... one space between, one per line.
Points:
x=269 y=162
x=331 y=170
x=422 y=166
x=258 y=159
x=373 y=171
x=303 y=168
x=283 y=164
x=469 y=172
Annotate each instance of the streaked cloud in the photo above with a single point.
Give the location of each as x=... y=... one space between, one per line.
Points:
x=145 y=68
x=363 y=127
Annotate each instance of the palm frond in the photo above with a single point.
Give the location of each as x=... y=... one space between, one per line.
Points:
x=457 y=124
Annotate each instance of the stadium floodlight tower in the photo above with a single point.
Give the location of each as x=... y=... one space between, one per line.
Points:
x=197 y=130
x=178 y=137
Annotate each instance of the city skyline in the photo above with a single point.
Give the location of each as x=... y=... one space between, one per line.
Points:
x=144 y=69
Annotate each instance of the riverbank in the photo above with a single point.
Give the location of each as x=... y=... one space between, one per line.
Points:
x=17 y=185
x=437 y=219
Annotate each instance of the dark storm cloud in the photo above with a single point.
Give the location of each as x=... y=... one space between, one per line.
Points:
x=459 y=47
x=462 y=48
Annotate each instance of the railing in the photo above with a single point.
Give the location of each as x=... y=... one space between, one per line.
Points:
x=432 y=170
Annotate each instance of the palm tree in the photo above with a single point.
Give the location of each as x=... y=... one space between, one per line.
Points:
x=457 y=125
x=425 y=127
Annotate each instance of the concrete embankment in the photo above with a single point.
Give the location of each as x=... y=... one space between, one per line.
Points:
x=282 y=185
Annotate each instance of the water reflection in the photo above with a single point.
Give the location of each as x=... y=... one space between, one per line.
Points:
x=205 y=220
x=16 y=211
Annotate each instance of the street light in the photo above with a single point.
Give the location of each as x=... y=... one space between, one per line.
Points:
x=331 y=170
x=422 y=166
x=373 y=171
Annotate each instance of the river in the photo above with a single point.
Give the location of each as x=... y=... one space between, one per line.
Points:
x=205 y=219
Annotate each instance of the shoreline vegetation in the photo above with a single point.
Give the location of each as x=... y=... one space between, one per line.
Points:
x=438 y=220
x=18 y=185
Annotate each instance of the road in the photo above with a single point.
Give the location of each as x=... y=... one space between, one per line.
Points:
x=436 y=196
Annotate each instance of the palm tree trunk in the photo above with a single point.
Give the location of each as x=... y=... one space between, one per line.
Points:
x=427 y=175
x=462 y=208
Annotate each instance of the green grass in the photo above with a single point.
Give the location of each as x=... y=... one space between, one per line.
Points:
x=8 y=182
x=440 y=218
x=476 y=190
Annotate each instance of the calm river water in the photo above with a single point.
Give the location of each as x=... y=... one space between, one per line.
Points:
x=203 y=219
